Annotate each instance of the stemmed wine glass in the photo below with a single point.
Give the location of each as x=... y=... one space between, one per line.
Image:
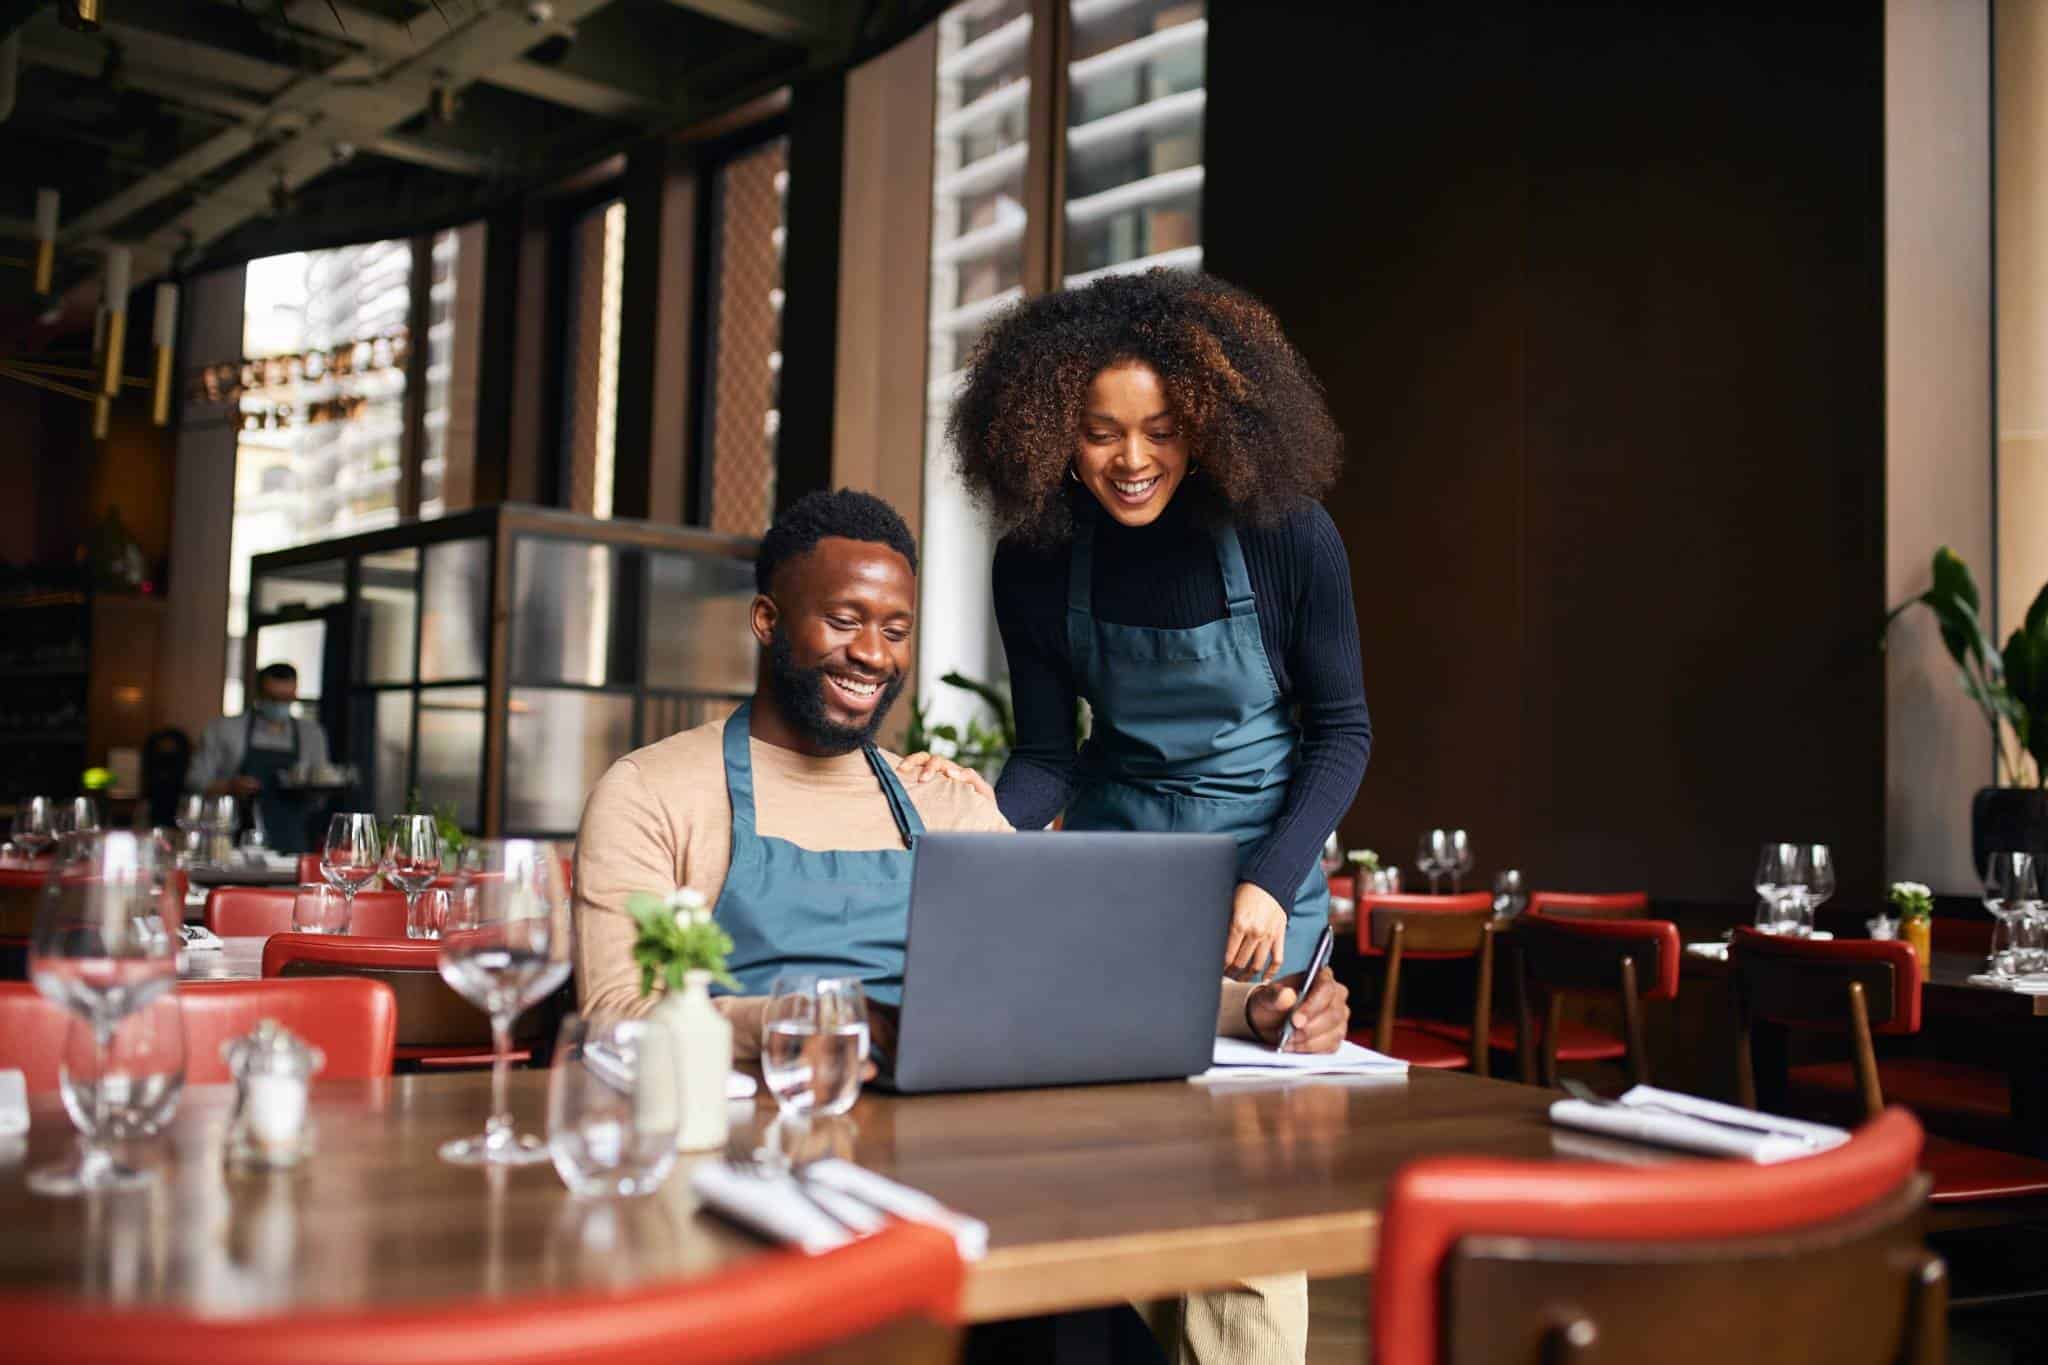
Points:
x=79 y=815
x=1820 y=875
x=351 y=856
x=2010 y=885
x=135 y=1082
x=1510 y=894
x=1433 y=856
x=102 y=948
x=1460 y=861
x=35 y=826
x=412 y=859
x=506 y=944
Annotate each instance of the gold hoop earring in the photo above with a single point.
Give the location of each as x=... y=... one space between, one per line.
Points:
x=1070 y=472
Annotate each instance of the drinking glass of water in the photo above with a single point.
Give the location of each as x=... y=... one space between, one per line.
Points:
x=613 y=1106
x=506 y=945
x=35 y=826
x=814 y=1041
x=2010 y=883
x=132 y=1089
x=103 y=948
x=320 y=909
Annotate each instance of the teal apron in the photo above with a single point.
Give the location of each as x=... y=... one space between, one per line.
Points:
x=792 y=909
x=1190 y=734
x=284 y=819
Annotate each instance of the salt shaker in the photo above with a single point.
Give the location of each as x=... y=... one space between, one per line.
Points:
x=272 y=1068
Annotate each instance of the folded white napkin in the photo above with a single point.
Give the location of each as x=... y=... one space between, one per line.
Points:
x=13 y=1104
x=1670 y=1119
x=1242 y=1059
x=2034 y=984
x=775 y=1206
x=200 y=939
x=1718 y=949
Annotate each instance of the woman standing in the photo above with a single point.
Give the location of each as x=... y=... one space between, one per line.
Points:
x=1152 y=447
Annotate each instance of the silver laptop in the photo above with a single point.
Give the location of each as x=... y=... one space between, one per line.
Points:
x=1062 y=959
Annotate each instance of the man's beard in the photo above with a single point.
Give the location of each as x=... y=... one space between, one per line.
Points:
x=800 y=692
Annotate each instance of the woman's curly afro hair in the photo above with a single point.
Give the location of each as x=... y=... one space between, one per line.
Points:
x=1257 y=429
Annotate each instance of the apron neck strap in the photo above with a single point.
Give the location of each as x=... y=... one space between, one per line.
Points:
x=908 y=825
x=1237 y=580
x=1081 y=564
x=739 y=780
x=739 y=769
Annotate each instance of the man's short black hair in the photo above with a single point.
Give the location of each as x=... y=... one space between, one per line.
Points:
x=277 y=673
x=847 y=513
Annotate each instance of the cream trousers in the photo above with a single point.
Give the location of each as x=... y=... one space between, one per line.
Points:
x=1262 y=1322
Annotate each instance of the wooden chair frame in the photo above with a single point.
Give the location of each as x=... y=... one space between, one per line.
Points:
x=1435 y=931
x=1628 y=984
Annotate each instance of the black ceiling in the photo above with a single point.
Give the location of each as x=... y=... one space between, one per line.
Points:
x=217 y=99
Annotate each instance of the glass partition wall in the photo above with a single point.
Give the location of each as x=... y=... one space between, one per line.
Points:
x=497 y=661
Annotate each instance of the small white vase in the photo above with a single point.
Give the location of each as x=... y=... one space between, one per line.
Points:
x=703 y=1052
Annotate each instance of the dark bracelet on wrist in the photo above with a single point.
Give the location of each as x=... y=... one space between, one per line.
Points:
x=1257 y=1037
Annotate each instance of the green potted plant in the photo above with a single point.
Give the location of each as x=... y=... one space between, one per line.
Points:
x=682 y=947
x=2011 y=687
x=981 y=746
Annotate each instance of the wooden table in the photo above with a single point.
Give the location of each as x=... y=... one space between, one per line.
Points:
x=1093 y=1195
x=1947 y=989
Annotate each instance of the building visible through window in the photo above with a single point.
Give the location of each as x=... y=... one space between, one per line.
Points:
x=743 y=419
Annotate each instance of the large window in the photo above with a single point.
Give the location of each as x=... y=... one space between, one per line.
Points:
x=329 y=444
x=1128 y=75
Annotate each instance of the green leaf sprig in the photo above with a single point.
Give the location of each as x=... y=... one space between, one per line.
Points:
x=1912 y=900
x=677 y=936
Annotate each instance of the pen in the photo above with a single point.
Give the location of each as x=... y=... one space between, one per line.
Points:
x=1316 y=962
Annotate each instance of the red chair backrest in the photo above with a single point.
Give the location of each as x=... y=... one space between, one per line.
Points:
x=309 y=869
x=430 y=1013
x=1564 y=953
x=259 y=911
x=354 y=1022
x=1437 y=1203
x=896 y=1293
x=1803 y=983
x=1378 y=911
x=1603 y=905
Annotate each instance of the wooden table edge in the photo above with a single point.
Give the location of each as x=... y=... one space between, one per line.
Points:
x=1050 y=1277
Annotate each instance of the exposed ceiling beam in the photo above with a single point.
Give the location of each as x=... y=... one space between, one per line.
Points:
x=421 y=152
x=382 y=38
x=87 y=58
x=193 y=58
x=805 y=22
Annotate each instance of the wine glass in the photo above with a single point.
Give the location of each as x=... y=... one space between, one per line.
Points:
x=2010 y=884
x=191 y=812
x=412 y=859
x=1432 y=856
x=351 y=856
x=506 y=944
x=814 y=1039
x=320 y=909
x=1820 y=874
x=1510 y=896
x=1333 y=856
x=35 y=826
x=136 y=1082
x=102 y=948
x=1460 y=861
x=79 y=815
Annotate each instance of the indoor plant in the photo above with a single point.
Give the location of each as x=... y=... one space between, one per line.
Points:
x=981 y=746
x=680 y=945
x=2011 y=687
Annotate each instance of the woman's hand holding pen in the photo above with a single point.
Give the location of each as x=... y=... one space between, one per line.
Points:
x=1258 y=933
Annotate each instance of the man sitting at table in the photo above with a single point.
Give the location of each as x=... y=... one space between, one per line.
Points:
x=795 y=828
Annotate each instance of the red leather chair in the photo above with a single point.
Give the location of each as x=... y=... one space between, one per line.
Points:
x=1587 y=905
x=887 y=1298
x=259 y=911
x=354 y=1022
x=1861 y=987
x=1396 y=928
x=436 y=1027
x=1691 y=1261
x=1630 y=960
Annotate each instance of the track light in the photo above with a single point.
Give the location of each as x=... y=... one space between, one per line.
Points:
x=83 y=15
x=46 y=240
x=166 y=329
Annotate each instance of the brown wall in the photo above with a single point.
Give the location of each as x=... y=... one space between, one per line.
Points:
x=1597 y=293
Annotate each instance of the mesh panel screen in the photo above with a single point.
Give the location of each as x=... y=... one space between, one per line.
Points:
x=746 y=347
